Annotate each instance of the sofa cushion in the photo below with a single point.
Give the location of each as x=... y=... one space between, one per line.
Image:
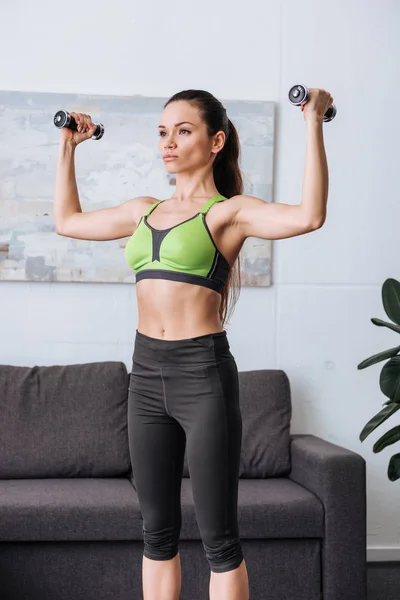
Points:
x=266 y=409
x=69 y=509
x=64 y=421
x=108 y=509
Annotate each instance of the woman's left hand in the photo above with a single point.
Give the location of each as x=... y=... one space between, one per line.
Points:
x=317 y=104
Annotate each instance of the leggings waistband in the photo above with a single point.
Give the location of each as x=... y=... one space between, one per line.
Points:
x=205 y=349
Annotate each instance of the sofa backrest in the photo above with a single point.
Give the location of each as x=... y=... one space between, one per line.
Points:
x=266 y=408
x=64 y=421
x=71 y=421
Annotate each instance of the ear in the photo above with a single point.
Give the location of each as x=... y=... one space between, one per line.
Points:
x=218 y=141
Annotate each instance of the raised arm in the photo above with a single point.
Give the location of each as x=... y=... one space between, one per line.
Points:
x=102 y=224
x=256 y=218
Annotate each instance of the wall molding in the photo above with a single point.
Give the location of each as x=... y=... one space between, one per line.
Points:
x=383 y=554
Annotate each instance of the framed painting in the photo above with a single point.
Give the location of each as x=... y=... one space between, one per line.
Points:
x=123 y=164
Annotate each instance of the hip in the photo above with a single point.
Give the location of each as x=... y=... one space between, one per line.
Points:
x=190 y=374
x=203 y=350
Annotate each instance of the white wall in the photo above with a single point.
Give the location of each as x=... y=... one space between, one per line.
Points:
x=314 y=321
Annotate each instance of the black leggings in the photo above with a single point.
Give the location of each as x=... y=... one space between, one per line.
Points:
x=185 y=394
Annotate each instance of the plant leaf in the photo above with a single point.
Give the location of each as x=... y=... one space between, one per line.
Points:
x=378 y=419
x=390 y=437
x=389 y=379
x=381 y=323
x=394 y=467
x=391 y=299
x=379 y=357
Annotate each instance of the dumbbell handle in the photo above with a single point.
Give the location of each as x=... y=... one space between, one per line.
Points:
x=62 y=118
x=299 y=95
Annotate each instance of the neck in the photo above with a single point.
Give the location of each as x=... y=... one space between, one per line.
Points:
x=194 y=186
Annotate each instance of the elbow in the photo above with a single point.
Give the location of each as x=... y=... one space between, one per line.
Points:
x=58 y=229
x=313 y=221
x=317 y=223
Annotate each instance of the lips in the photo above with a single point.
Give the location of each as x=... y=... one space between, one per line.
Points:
x=170 y=157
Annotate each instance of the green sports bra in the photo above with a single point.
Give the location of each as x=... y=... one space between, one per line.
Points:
x=185 y=252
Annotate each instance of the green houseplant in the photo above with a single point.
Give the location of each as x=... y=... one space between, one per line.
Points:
x=389 y=380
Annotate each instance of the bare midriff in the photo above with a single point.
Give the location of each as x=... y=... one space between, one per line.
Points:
x=173 y=310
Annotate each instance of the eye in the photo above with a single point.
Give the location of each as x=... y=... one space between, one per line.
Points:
x=161 y=132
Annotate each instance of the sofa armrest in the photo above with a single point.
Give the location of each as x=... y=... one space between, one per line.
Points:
x=337 y=476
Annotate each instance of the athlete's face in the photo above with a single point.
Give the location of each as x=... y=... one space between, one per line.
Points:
x=184 y=134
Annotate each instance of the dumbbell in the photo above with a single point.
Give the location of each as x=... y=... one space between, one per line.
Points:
x=299 y=94
x=62 y=118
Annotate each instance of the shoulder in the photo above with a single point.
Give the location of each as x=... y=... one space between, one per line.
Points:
x=239 y=207
x=231 y=207
x=243 y=200
x=137 y=207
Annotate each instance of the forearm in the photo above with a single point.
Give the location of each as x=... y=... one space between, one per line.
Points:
x=316 y=177
x=66 y=198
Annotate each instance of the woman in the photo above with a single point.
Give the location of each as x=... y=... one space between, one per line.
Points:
x=183 y=391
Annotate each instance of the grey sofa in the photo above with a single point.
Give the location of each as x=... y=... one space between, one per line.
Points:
x=70 y=522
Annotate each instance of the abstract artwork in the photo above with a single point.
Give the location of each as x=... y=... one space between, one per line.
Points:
x=124 y=164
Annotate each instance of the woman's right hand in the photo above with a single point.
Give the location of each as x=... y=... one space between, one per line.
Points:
x=85 y=129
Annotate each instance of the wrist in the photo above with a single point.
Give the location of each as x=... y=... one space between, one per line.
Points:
x=67 y=146
x=314 y=120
